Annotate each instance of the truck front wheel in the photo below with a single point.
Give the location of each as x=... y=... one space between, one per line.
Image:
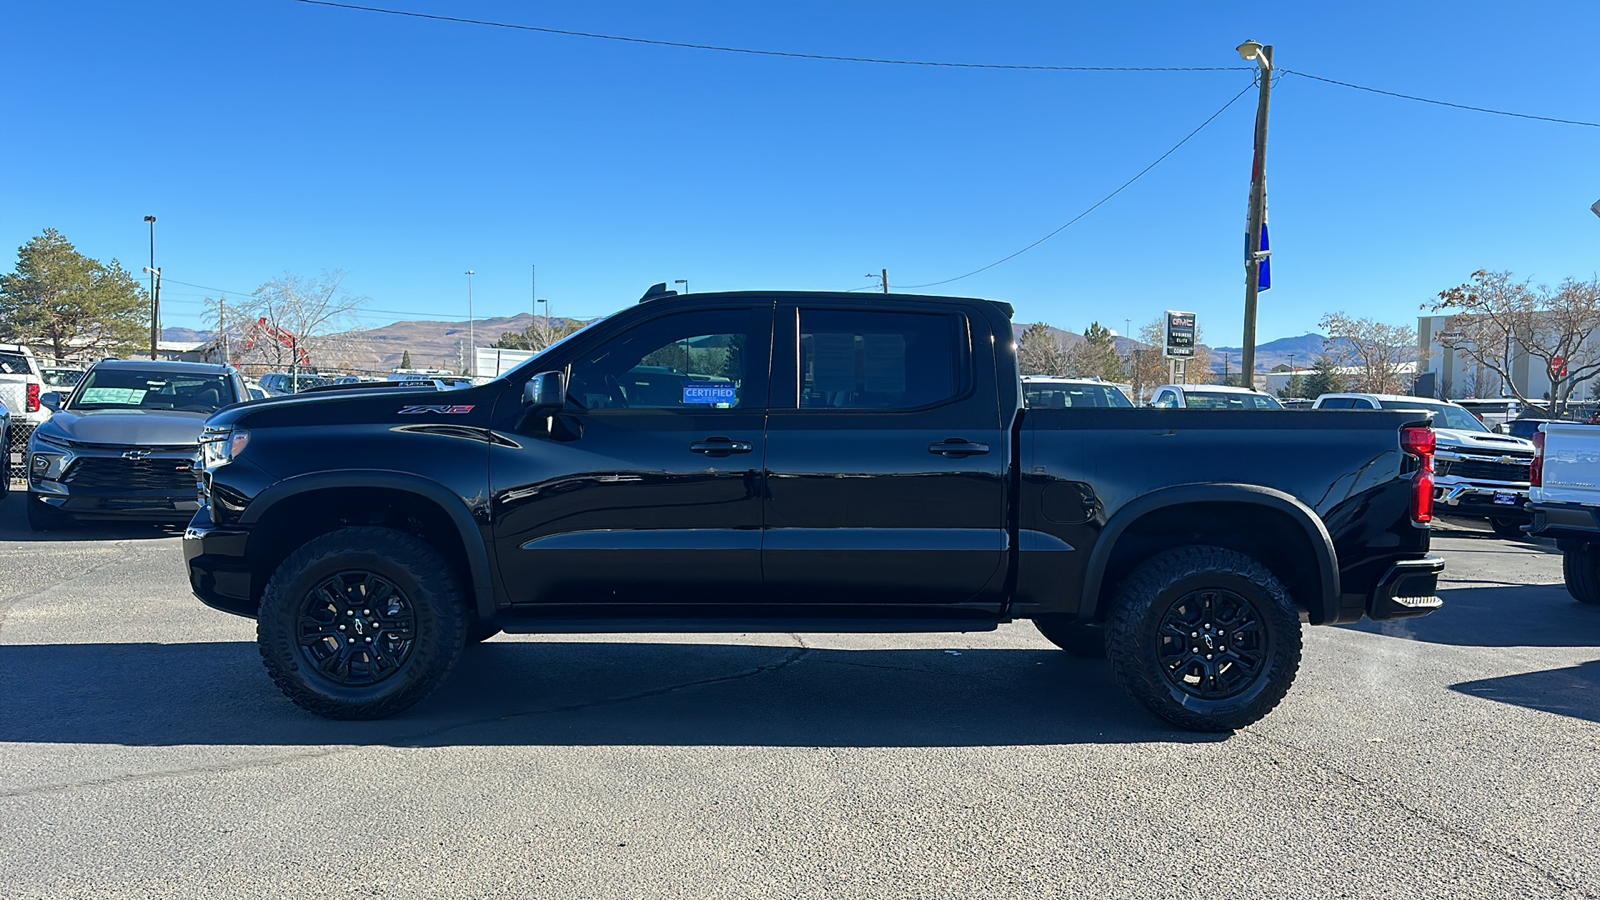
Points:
x=1206 y=638
x=1580 y=569
x=361 y=623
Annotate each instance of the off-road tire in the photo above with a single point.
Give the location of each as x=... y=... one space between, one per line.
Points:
x=1081 y=639
x=422 y=579
x=44 y=517
x=1171 y=582
x=1580 y=569
x=1507 y=527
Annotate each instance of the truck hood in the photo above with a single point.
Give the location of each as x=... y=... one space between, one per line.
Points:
x=1474 y=441
x=127 y=426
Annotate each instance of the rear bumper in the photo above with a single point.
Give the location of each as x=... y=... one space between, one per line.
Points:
x=219 y=573
x=1566 y=522
x=1409 y=589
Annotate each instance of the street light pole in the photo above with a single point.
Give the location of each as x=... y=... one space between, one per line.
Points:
x=1253 y=254
x=155 y=309
x=472 y=334
x=684 y=282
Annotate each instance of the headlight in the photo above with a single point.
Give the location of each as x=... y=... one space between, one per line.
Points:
x=54 y=440
x=218 y=448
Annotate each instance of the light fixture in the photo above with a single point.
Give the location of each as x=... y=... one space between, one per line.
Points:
x=1250 y=50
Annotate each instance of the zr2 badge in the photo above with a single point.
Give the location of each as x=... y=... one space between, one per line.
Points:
x=443 y=410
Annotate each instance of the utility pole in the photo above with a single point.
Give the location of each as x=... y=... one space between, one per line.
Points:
x=472 y=334
x=155 y=309
x=1253 y=255
x=886 y=281
x=533 y=288
x=222 y=327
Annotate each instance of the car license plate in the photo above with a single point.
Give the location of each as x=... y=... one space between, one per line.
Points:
x=1503 y=498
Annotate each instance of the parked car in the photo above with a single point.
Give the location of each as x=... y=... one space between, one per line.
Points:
x=1526 y=428
x=1478 y=473
x=1565 y=502
x=1211 y=396
x=1047 y=392
x=277 y=384
x=254 y=391
x=834 y=461
x=1495 y=412
x=122 y=445
x=21 y=386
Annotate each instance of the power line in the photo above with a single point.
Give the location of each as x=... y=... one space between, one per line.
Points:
x=746 y=50
x=1097 y=205
x=926 y=63
x=1482 y=109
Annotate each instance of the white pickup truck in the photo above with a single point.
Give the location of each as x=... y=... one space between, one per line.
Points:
x=1565 y=501
x=20 y=387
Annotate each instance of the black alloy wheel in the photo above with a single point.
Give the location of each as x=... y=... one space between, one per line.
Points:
x=361 y=623
x=1213 y=645
x=1204 y=637
x=356 y=628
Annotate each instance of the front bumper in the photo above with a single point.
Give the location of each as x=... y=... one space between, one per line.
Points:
x=127 y=483
x=1482 y=500
x=219 y=571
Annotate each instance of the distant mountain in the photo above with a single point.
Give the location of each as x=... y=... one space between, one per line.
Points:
x=1303 y=350
x=184 y=334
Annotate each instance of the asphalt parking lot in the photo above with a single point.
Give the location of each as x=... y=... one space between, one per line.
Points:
x=143 y=752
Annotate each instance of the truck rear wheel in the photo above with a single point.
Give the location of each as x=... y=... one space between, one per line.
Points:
x=1204 y=637
x=361 y=623
x=1580 y=569
x=1081 y=639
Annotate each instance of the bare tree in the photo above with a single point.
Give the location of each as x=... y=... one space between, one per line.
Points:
x=294 y=322
x=541 y=333
x=1495 y=319
x=1383 y=355
x=1039 y=352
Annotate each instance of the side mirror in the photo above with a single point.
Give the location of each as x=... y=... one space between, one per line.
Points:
x=51 y=401
x=546 y=390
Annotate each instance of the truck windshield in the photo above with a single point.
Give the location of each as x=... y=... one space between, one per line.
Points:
x=1445 y=415
x=1228 y=400
x=153 y=390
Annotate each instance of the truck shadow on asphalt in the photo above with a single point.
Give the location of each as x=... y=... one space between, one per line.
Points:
x=1572 y=691
x=521 y=692
x=1535 y=615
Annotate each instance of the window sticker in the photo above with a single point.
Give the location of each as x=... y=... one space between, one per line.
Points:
x=118 y=396
x=885 y=356
x=833 y=364
x=710 y=393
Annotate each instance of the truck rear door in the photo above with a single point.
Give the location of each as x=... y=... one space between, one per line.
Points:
x=886 y=456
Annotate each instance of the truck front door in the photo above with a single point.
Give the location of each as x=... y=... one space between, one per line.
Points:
x=885 y=456
x=646 y=487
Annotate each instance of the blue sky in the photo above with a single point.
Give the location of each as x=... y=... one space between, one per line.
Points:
x=270 y=136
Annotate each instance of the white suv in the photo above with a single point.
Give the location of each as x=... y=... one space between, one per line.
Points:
x=1476 y=472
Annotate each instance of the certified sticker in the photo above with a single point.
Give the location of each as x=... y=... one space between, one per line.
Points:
x=709 y=394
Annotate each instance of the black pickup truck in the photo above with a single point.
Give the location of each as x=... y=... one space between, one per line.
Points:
x=802 y=462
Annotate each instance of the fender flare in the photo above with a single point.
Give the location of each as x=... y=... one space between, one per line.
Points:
x=472 y=540
x=1323 y=609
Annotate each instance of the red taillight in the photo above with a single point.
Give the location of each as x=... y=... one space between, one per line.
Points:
x=1536 y=477
x=33 y=398
x=1420 y=442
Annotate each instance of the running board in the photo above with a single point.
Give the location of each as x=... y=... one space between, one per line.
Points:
x=526 y=624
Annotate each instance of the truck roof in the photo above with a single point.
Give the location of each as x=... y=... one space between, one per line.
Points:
x=654 y=296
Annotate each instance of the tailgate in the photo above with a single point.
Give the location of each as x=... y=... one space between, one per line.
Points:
x=1571 y=464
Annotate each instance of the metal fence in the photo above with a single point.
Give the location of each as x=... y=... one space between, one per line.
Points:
x=16 y=450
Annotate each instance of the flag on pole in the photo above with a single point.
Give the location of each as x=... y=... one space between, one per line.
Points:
x=1264 y=271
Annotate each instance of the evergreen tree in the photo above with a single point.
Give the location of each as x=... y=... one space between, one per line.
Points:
x=60 y=297
x=405 y=359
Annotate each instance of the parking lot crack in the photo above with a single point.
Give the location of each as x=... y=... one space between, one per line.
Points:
x=1375 y=790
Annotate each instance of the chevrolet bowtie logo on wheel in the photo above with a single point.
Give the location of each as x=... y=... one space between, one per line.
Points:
x=136 y=455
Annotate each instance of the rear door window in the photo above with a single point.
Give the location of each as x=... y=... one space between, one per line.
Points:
x=863 y=359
